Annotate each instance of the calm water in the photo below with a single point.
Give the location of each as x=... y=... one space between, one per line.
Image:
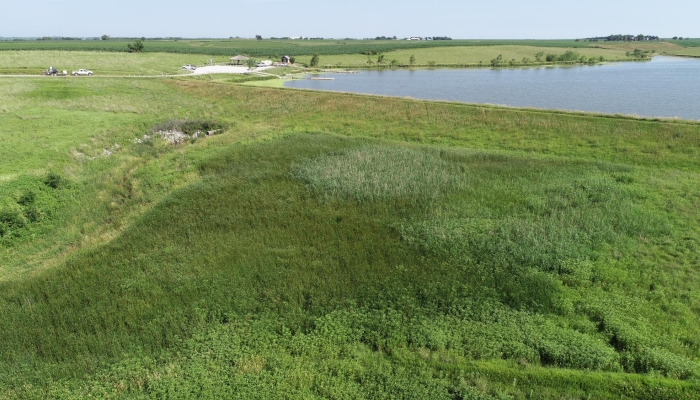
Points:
x=663 y=87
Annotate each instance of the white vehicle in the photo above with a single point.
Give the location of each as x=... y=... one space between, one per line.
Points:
x=265 y=63
x=189 y=67
x=82 y=72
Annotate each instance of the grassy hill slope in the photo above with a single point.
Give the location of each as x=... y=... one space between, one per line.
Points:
x=345 y=246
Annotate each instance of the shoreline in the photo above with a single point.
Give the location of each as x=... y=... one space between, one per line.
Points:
x=279 y=84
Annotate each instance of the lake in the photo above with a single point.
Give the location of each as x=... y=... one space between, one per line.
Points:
x=662 y=87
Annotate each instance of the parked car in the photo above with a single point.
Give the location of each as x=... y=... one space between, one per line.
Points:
x=189 y=67
x=54 y=72
x=82 y=72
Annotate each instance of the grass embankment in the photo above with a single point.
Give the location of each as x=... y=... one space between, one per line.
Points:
x=332 y=245
x=473 y=56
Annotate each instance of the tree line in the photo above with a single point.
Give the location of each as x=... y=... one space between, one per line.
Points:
x=624 y=38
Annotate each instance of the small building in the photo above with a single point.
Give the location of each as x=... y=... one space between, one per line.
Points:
x=286 y=60
x=238 y=59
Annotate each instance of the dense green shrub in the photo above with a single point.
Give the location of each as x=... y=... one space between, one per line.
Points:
x=53 y=180
x=27 y=198
x=12 y=218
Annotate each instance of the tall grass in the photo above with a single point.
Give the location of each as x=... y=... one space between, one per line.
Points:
x=382 y=173
x=484 y=245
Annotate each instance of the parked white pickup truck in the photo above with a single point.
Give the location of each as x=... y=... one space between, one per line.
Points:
x=82 y=72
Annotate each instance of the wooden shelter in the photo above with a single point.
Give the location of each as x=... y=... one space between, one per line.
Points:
x=238 y=59
x=286 y=60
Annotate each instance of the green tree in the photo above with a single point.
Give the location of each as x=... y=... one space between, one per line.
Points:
x=136 y=47
x=538 y=56
x=105 y=37
x=394 y=63
x=314 y=61
x=292 y=60
x=412 y=60
x=250 y=63
x=497 y=61
x=258 y=37
x=380 y=59
x=569 y=55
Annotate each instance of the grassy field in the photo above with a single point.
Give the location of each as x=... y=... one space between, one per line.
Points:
x=686 y=43
x=166 y=57
x=32 y=62
x=687 y=51
x=460 y=55
x=340 y=246
x=102 y=63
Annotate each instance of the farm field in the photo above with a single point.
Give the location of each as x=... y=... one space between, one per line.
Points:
x=265 y=48
x=278 y=48
x=326 y=245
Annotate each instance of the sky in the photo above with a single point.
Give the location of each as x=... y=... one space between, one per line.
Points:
x=504 y=19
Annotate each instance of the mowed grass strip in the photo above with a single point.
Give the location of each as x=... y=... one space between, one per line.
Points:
x=33 y=62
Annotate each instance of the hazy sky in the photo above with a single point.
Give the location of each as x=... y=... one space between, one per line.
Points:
x=351 y=18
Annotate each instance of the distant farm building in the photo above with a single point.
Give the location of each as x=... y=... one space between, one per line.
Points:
x=286 y=60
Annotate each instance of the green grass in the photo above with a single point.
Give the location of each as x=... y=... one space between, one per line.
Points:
x=102 y=63
x=333 y=245
x=467 y=55
x=281 y=71
x=268 y=48
x=686 y=42
x=688 y=52
x=166 y=56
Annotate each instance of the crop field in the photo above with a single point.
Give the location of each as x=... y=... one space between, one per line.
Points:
x=687 y=42
x=270 y=48
x=326 y=245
